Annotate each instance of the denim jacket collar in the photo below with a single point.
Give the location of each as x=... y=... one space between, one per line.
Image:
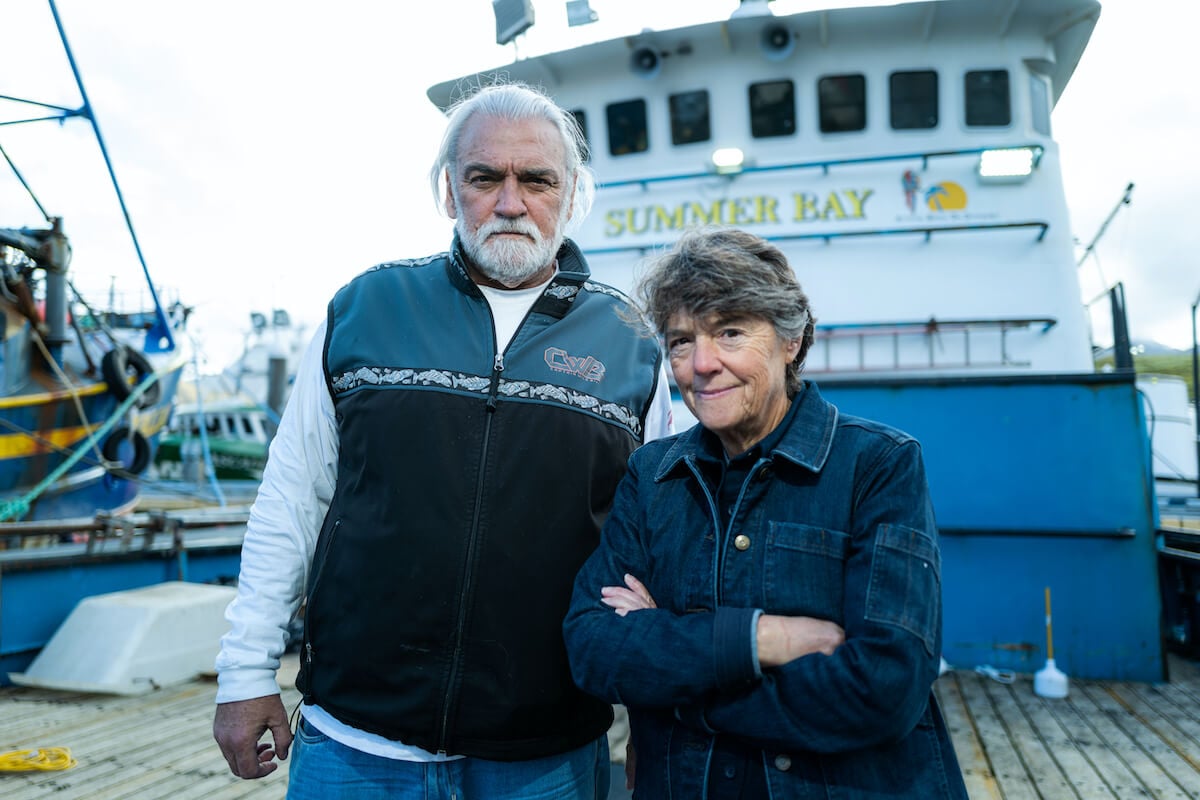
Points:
x=806 y=443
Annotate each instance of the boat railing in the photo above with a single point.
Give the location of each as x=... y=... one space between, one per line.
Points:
x=825 y=165
x=1111 y=322
x=163 y=533
x=922 y=230
x=919 y=345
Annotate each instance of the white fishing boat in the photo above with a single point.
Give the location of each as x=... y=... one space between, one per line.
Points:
x=225 y=439
x=273 y=343
x=903 y=157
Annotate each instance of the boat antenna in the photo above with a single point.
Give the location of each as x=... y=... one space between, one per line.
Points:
x=1125 y=200
x=160 y=332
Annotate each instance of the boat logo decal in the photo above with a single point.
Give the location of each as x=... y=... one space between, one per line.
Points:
x=941 y=196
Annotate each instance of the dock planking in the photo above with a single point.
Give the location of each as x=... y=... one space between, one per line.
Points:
x=1105 y=741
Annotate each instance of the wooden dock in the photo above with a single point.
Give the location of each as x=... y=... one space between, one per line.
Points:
x=1106 y=740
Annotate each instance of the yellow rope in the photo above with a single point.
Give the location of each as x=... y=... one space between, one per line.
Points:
x=43 y=759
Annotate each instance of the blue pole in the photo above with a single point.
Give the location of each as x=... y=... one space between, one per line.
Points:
x=161 y=329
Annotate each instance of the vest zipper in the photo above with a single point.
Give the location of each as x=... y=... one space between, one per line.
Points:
x=468 y=579
x=319 y=559
x=494 y=388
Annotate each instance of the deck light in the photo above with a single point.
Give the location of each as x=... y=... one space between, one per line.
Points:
x=1009 y=165
x=728 y=160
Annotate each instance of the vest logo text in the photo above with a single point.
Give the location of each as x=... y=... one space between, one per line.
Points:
x=585 y=367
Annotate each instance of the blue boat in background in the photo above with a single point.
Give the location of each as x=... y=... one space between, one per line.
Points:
x=84 y=393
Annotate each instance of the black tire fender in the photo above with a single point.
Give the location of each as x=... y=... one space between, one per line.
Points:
x=111 y=450
x=122 y=363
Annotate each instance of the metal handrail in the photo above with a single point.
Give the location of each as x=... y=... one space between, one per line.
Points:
x=825 y=165
x=929 y=329
x=926 y=230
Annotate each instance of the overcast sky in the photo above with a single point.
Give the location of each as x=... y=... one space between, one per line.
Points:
x=271 y=150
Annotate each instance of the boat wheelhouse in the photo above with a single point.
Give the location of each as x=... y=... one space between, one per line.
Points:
x=231 y=437
x=902 y=156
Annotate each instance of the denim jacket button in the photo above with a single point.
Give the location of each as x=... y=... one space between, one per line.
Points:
x=742 y=542
x=765 y=473
x=783 y=763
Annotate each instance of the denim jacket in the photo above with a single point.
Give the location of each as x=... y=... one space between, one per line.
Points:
x=835 y=522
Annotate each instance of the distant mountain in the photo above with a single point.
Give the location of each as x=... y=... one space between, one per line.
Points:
x=1156 y=359
x=1152 y=348
x=1145 y=347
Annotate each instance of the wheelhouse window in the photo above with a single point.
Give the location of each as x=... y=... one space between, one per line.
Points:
x=581 y=120
x=627 y=132
x=913 y=100
x=987 y=99
x=772 y=109
x=690 y=117
x=842 y=103
x=1039 y=100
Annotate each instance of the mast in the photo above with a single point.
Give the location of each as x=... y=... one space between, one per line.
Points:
x=159 y=337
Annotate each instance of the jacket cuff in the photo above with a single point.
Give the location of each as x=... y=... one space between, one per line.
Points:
x=245 y=684
x=735 y=659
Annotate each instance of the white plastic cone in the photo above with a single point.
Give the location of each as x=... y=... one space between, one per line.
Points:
x=1049 y=681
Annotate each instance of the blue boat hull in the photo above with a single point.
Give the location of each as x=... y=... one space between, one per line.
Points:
x=1037 y=482
x=26 y=459
x=39 y=595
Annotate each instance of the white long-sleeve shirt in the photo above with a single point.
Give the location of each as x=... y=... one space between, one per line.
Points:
x=286 y=518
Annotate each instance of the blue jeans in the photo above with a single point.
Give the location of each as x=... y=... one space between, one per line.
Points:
x=322 y=769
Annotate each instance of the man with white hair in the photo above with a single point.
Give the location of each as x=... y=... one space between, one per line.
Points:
x=448 y=455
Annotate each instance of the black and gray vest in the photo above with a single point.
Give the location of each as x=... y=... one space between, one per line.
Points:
x=471 y=487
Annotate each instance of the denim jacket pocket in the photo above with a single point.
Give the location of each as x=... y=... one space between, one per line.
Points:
x=906 y=583
x=805 y=570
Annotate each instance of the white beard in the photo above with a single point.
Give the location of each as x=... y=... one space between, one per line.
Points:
x=508 y=261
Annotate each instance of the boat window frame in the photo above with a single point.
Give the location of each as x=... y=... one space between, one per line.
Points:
x=1040 y=105
x=909 y=104
x=680 y=126
x=766 y=123
x=639 y=142
x=826 y=110
x=580 y=117
x=975 y=99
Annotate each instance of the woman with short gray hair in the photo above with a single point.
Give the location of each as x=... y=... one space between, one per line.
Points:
x=727 y=272
x=766 y=597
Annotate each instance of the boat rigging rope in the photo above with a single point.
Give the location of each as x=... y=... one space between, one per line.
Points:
x=71 y=388
x=43 y=759
x=97 y=319
x=209 y=469
x=19 y=507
